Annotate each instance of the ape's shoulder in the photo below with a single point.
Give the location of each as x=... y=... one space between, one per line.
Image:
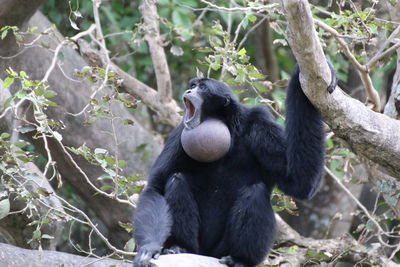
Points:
x=259 y=121
x=258 y=114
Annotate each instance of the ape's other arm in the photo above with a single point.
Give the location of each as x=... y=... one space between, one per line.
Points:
x=152 y=220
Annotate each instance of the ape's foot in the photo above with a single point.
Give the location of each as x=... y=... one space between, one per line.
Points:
x=174 y=250
x=145 y=254
x=228 y=260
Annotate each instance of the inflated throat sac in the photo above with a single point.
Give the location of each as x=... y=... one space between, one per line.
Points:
x=207 y=142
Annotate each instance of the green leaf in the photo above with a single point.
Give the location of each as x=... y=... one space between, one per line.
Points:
x=252 y=18
x=122 y=163
x=100 y=151
x=49 y=94
x=130 y=245
x=23 y=74
x=245 y=23
x=21 y=94
x=20 y=144
x=180 y=19
x=4 y=135
x=50 y=103
x=39 y=91
x=28 y=83
x=26 y=129
x=36 y=234
x=4 y=34
x=46 y=236
x=163 y=2
x=8 y=82
x=4 y=208
x=312 y=254
x=141 y=147
x=57 y=136
x=127 y=226
x=242 y=52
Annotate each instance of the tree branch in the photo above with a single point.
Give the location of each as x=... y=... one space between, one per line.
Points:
x=15 y=256
x=167 y=111
x=371 y=134
x=152 y=35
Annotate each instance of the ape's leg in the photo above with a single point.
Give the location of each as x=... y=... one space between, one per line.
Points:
x=251 y=227
x=185 y=216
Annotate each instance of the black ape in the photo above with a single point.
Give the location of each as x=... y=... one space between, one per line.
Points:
x=222 y=209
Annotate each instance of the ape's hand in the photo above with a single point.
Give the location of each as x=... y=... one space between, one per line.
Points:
x=174 y=250
x=333 y=83
x=145 y=254
x=228 y=260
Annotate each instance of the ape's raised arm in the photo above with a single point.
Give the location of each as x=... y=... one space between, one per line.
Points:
x=298 y=153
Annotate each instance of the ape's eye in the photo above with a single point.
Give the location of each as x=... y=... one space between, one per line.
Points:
x=193 y=85
x=202 y=86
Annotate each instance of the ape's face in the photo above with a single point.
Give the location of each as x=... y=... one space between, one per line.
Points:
x=205 y=98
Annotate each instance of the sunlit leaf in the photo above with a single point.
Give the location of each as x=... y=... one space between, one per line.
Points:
x=4 y=208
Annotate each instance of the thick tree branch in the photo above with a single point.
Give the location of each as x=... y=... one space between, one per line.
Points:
x=153 y=37
x=346 y=249
x=371 y=134
x=15 y=256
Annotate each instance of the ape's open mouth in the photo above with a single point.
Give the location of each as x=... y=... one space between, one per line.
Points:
x=193 y=102
x=190 y=109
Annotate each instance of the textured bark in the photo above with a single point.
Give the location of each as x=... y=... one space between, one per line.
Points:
x=18 y=257
x=15 y=256
x=371 y=134
x=153 y=37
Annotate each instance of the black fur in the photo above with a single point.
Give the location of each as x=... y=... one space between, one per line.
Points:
x=222 y=209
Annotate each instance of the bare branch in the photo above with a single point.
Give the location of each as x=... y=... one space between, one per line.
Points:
x=152 y=35
x=381 y=53
x=239 y=8
x=371 y=134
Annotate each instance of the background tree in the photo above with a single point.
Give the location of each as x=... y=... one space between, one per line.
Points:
x=88 y=95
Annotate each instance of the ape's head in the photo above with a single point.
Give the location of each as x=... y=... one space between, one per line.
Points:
x=206 y=137
x=205 y=98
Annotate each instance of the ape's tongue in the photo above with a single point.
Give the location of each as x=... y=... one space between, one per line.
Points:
x=190 y=109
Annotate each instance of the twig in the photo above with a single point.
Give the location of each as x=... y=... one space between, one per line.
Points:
x=363 y=70
x=359 y=204
x=381 y=53
x=255 y=26
x=259 y=8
